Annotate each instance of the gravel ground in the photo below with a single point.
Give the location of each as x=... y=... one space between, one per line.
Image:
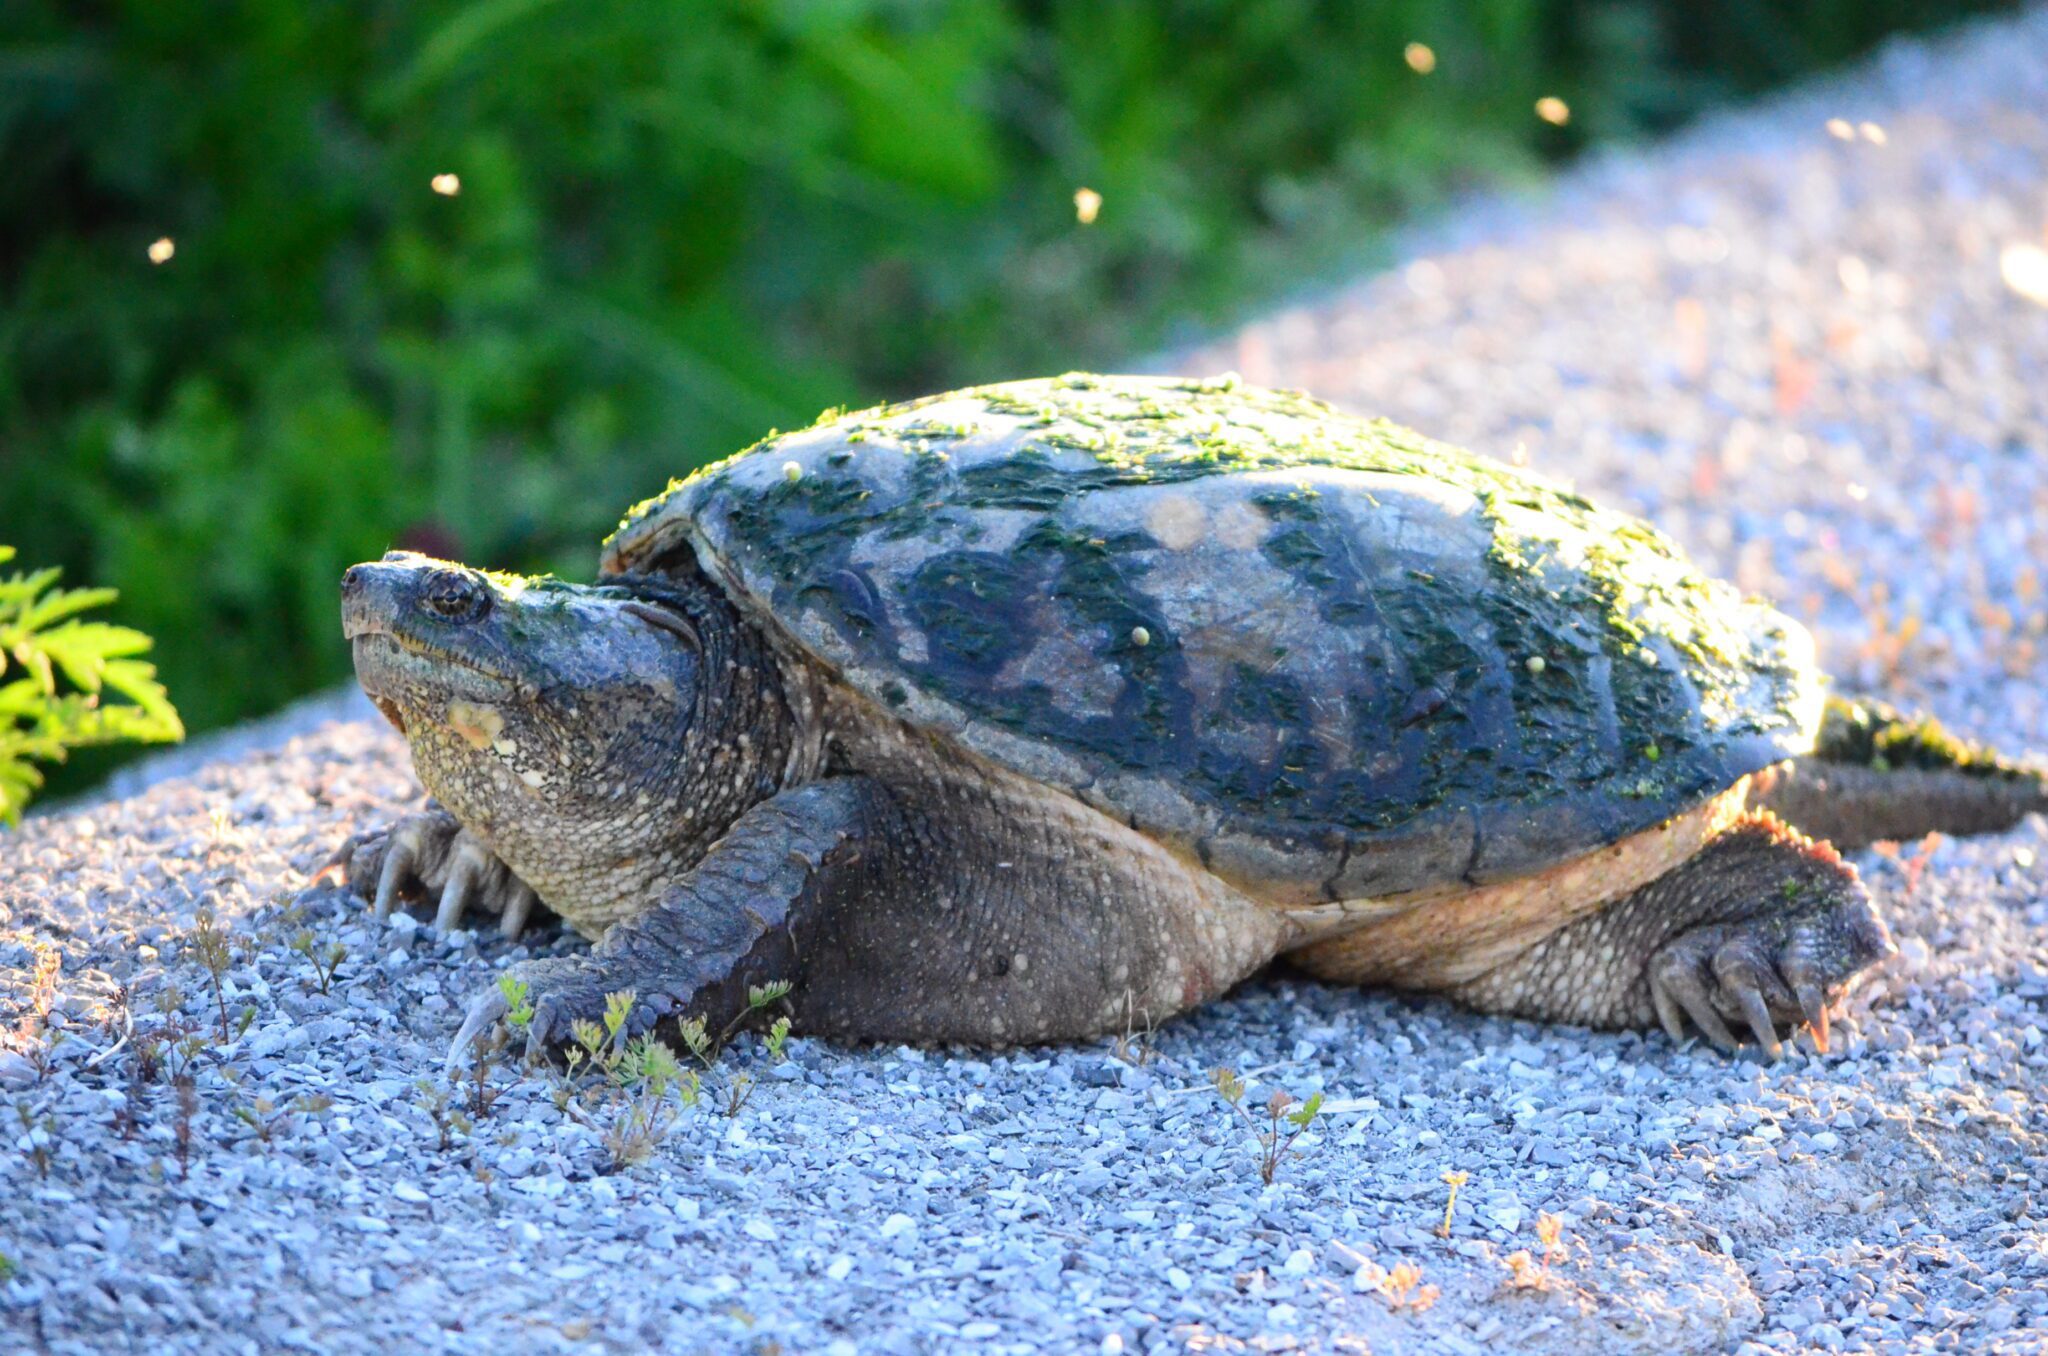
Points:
x=1795 y=352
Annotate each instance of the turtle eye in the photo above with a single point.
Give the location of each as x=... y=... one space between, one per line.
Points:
x=455 y=596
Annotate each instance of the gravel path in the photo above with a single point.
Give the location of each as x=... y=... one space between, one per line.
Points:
x=1798 y=353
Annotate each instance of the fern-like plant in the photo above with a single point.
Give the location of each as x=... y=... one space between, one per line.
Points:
x=42 y=637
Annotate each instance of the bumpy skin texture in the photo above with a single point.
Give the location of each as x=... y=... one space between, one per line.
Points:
x=1758 y=930
x=1068 y=719
x=1878 y=773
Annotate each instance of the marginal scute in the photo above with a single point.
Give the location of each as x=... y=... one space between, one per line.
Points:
x=1325 y=652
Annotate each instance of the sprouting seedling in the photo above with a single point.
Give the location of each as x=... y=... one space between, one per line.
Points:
x=518 y=1011
x=188 y=1107
x=778 y=1034
x=266 y=1118
x=37 y=1134
x=1134 y=1046
x=1525 y=1272
x=1402 y=1288
x=1286 y=1119
x=1454 y=1180
x=691 y=1033
x=449 y=1120
x=325 y=960
x=705 y=1047
x=1550 y=1233
x=214 y=953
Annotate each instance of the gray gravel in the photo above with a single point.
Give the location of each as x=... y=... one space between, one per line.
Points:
x=1797 y=353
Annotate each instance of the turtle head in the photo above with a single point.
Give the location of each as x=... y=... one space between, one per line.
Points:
x=535 y=709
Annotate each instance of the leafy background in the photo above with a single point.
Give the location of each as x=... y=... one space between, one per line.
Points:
x=681 y=223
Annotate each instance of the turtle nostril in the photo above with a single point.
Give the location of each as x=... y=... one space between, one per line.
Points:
x=352 y=579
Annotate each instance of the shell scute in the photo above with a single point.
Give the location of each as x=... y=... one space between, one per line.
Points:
x=1324 y=652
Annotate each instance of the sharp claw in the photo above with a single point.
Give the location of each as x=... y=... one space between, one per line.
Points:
x=397 y=861
x=1668 y=1013
x=455 y=894
x=341 y=863
x=513 y=921
x=487 y=1008
x=1758 y=1014
x=1710 y=1024
x=1813 y=1006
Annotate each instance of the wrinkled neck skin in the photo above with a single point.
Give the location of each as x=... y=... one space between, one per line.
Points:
x=607 y=850
x=596 y=752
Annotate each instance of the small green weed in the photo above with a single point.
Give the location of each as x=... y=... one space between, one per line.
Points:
x=268 y=1120
x=216 y=954
x=325 y=960
x=1286 y=1120
x=38 y=1134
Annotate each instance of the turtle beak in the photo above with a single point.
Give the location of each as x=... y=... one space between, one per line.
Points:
x=374 y=592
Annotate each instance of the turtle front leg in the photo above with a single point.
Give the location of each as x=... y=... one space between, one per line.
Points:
x=943 y=904
x=431 y=852
x=1763 y=928
x=723 y=929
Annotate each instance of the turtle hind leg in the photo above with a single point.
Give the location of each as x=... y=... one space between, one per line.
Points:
x=1762 y=930
x=1876 y=773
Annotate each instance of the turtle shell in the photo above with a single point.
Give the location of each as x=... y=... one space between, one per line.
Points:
x=1329 y=657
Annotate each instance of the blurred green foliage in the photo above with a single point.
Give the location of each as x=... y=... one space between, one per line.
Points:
x=64 y=671
x=680 y=222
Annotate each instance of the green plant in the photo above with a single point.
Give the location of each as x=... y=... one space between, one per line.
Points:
x=676 y=227
x=38 y=1133
x=518 y=1012
x=1135 y=1045
x=706 y=1047
x=181 y=1127
x=43 y=636
x=739 y=1090
x=215 y=954
x=1528 y=1273
x=267 y=1119
x=448 y=1119
x=1453 y=1180
x=1401 y=1286
x=1286 y=1120
x=325 y=960
x=637 y=1076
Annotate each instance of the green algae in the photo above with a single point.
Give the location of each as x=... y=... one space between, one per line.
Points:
x=1645 y=664
x=1874 y=735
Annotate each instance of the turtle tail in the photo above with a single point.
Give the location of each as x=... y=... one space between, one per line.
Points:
x=1877 y=773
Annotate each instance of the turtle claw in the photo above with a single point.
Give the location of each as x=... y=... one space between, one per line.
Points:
x=399 y=860
x=513 y=921
x=1777 y=970
x=1761 y=1024
x=1677 y=987
x=431 y=852
x=485 y=1010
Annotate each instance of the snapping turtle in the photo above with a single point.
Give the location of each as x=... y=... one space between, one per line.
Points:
x=1029 y=711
